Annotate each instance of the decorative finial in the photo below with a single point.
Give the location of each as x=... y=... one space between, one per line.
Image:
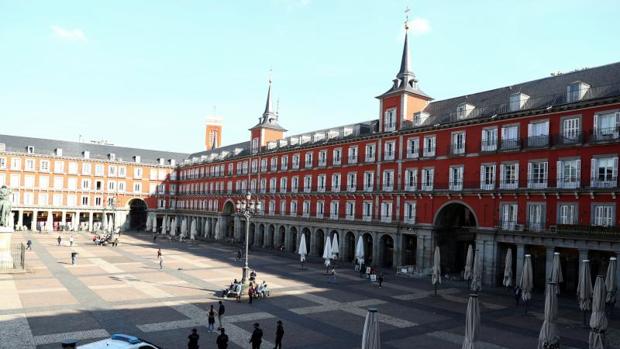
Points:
x=407 y=18
x=270 y=72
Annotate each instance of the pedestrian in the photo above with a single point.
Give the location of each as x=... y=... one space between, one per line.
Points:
x=251 y=292
x=517 y=295
x=158 y=253
x=193 y=339
x=71 y=241
x=115 y=243
x=59 y=240
x=220 y=314
x=154 y=237
x=161 y=262
x=362 y=269
x=257 y=337
x=222 y=340
x=279 y=335
x=380 y=279
x=29 y=245
x=332 y=275
x=238 y=255
x=211 y=319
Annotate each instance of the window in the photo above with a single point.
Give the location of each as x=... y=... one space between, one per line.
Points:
x=510 y=137
x=538 y=134
x=59 y=182
x=334 y=208
x=2 y=163
x=308 y=160
x=307 y=183
x=272 y=207
x=137 y=187
x=509 y=176
x=294 y=184
x=386 y=211
x=367 y=211
x=606 y=126
x=411 y=179
x=71 y=200
x=487 y=176
x=369 y=180
x=254 y=145
x=350 y=210
x=99 y=170
x=389 y=120
x=29 y=181
x=16 y=164
x=536 y=216
x=389 y=150
x=44 y=166
x=84 y=200
x=464 y=110
x=306 y=209
x=429 y=146
x=15 y=180
x=427 y=178
x=604 y=215
x=352 y=181
x=44 y=182
x=320 y=209
x=59 y=166
x=337 y=156
x=111 y=171
x=29 y=165
x=293 y=211
x=604 y=172
x=517 y=101
x=567 y=213
x=272 y=185
x=28 y=198
x=72 y=183
x=537 y=174
x=296 y=161
x=571 y=130
x=410 y=212
x=263 y=165
x=458 y=143
x=413 y=147
x=323 y=158
x=336 y=182
x=352 y=157
x=85 y=184
x=254 y=166
x=43 y=199
x=569 y=173
x=284 y=163
x=508 y=216
x=388 y=180
x=274 y=164
x=576 y=91
x=111 y=186
x=370 y=152
x=283 y=207
x=489 y=139
x=283 y=184
x=455 y=176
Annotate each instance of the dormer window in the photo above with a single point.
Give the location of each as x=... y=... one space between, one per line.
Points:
x=160 y=161
x=464 y=110
x=136 y=159
x=30 y=149
x=576 y=91
x=58 y=151
x=172 y=162
x=86 y=154
x=319 y=136
x=111 y=156
x=255 y=145
x=517 y=101
x=420 y=118
x=389 y=120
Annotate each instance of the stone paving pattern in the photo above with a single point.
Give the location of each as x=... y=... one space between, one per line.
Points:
x=121 y=289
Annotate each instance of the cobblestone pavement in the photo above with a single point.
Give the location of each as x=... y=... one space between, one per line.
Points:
x=121 y=289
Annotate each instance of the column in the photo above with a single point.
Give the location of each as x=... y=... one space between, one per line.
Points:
x=549 y=261
x=520 y=256
x=398 y=250
x=20 y=218
x=63 y=219
x=312 y=246
x=90 y=220
x=424 y=251
x=487 y=248
x=583 y=254
x=376 y=250
x=33 y=223
x=49 y=214
x=287 y=238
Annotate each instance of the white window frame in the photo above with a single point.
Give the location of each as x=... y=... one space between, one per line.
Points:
x=430 y=146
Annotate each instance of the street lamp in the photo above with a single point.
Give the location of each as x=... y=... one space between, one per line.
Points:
x=247 y=208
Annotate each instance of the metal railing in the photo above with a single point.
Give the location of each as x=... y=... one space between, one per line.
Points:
x=538 y=141
x=605 y=134
x=510 y=144
x=18 y=253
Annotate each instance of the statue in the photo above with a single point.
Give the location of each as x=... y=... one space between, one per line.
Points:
x=5 y=207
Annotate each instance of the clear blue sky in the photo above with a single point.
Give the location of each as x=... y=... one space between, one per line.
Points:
x=148 y=73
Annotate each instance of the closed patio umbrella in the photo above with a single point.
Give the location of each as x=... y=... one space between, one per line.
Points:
x=527 y=281
x=154 y=224
x=205 y=233
x=476 y=276
x=549 y=336
x=584 y=288
x=173 y=226
x=327 y=251
x=303 y=250
x=472 y=322
x=507 y=282
x=149 y=223
x=371 y=338
x=74 y=222
x=611 y=284
x=556 y=271
x=335 y=247
x=110 y=224
x=436 y=276
x=216 y=231
x=49 y=226
x=359 y=250
x=598 y=320
x=469 y=260
x=192 y=230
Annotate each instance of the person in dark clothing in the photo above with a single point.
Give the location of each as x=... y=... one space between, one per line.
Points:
x=517 y=294
x=59 y=240
x=193 y=340
x=154 y=237
x=211 y=319
x=279 y=335
x=257 y=337
x=220 y=314
x=222 y=340
x=29 y=245
x=239 y=255
x=380 y=279
x=251 y=293
x=362 y=269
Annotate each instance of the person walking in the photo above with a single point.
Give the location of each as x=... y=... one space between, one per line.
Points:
x=71 y=241
x=220 y=314
x=154 y=237
x=211 y=319
x=158 y=253
x=251 y=292
x=517 y=295
x=332 y=275
x=161 y=262
x=29 y=245
x=257 y=337
x=59 y=240
x=279 y=335
x=238 y=255
x=193 y=339
x=222 y=340
x=380 y=279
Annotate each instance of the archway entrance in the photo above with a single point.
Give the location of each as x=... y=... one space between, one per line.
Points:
x=229 y=222
x=387 y=251
x=281 y=238
x=137 y=214
x=252 y=237
x=349 y=251
x=455 y=227
x=410 y=245
x=368 y=245
x=292 y=247
x=320 y=242
x=271 y=233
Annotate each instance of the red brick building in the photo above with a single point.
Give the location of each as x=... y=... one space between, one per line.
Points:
x=531 y=167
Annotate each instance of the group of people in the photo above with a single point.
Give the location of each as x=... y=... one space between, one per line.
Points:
x=222 y=339
x=369 y=273
x=256 y=290
x=105 y=238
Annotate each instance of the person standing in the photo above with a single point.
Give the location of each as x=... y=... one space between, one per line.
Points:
x=332 y=275
x=158 y=253
x=257 y=337
x=71 y=241
x=193 y=339
x=238 y=255
x=154 y=237
x=211 y=319
x=279 y=335
x=161 y=262
x=222 y=340
x=380 y=279
x=59 y=240
x=251 y=292
x=220 y=314
x=29 y=245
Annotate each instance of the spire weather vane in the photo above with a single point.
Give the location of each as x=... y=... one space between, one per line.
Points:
x=407 y=10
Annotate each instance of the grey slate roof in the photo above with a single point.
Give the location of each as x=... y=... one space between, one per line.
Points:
x=44 y=146
x=245 y=146
x=604 y=81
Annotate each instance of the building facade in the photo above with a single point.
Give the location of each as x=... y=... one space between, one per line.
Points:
x=530 y=167
x=73 y=185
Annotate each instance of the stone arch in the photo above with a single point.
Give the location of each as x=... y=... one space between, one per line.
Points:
x=348 y=249
x=137 y=214
x=271 y=232
x=227 y=223
x=280 y=239
x=368 y=242
x=292 y=241
x=453 y=213
x=386 y=251
x=454 y=230
x=319 y=244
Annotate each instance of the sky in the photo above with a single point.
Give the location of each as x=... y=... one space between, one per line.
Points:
x=147 y=74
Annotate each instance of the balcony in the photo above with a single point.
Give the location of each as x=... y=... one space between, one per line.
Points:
x=428 y=152
x=509 y=185
x=488 y=146
x=455 y=185
x=608 y=134
x=604 y=182
x=588 y=230
x=540 y=141
x=511 y=144
x=457 y=149
x=540 y=183
x=569 y=139
x=568 y=182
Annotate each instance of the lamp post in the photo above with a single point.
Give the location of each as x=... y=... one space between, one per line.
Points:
x=247 y=208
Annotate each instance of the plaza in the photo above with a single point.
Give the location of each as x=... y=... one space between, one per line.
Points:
x=121 y=289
